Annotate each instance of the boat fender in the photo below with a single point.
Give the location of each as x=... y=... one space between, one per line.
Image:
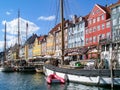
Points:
x=66 y=78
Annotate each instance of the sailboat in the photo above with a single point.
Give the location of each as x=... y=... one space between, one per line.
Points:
x=99 y=77
x=6 y=67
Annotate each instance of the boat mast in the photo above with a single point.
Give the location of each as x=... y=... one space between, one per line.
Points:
x=5 y=44
x=26 y=31
x=62 y=29
x=18 y=32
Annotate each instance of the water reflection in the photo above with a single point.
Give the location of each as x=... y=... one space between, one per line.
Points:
x=36 y=81
x=76 y=86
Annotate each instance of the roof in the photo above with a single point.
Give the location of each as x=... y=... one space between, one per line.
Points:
x=58 y=25
x=42 y=38
x=31 y=39
x=115 y=4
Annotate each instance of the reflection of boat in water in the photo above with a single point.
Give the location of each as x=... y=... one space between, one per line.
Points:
x=53 y=78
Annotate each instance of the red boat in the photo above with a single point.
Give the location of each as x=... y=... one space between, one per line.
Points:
x=53 y=78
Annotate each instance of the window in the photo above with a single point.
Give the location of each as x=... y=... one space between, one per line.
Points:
x=114 y=11
x=82 y=33
x=90 y=30
x=94 y=20
x=108 y=25
x=103 y=26
x=86 y=40
x=108 y=35
x=98 y=19
x=119 y=9
x=114 y=22
x=90 y=39
x=94 y=29
x=98 y=27
x=90 y=22
x=103 y=36
x=94 y=39
x=102 y=17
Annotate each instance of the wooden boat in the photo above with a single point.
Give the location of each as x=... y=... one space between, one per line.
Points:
x=53 y=78
x=99 y=77
x=26 y=69
x=7 y=69
x=39 y=70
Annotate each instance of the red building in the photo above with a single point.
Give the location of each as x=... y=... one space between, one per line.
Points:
x=99 y=27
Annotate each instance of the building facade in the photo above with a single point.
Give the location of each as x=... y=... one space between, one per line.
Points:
x=99 y=27
x=76 y=37
x=115 y=19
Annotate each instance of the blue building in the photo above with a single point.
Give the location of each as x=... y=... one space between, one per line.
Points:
x=76 y=37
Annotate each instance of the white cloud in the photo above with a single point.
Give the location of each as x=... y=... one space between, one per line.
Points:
x=3 y=22
x=50 y=18
x=8 y=13
x=12 y=30
x=1 y=45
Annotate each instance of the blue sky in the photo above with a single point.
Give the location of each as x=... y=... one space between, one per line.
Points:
x=41 y=15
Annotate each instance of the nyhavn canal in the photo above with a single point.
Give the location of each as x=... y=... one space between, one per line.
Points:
x=36 y=81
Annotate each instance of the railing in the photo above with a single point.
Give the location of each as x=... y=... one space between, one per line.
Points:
x=82 y=72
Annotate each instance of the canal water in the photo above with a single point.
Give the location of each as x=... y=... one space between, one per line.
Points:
x=36 y=81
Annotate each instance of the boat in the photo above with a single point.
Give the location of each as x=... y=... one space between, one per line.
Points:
x=53 y=78
x=26 y=69
x=39 y=70
x=99 y=77
x=7 y=69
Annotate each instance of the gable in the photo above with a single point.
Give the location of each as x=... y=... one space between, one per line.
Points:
x=97 y=10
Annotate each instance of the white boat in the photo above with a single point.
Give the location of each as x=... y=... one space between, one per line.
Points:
x=100 y=77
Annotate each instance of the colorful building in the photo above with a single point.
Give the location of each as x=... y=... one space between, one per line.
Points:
x=76 y=40
x=29 y=47
x=37 y=48
x=44 y=45
x=115 y=19
x=98 y=28
x=50 y=44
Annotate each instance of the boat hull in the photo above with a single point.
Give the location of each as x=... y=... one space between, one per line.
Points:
x=89 y=77
x=26 y=69
x=7 y=69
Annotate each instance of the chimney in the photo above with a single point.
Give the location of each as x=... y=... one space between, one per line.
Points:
x=74 y=18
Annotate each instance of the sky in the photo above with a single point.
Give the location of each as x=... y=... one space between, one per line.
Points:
x=41 y=16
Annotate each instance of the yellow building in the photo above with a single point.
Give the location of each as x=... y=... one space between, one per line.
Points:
x=29 y=44
x=37 y=48
x=50 y=44
x=26 y=52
